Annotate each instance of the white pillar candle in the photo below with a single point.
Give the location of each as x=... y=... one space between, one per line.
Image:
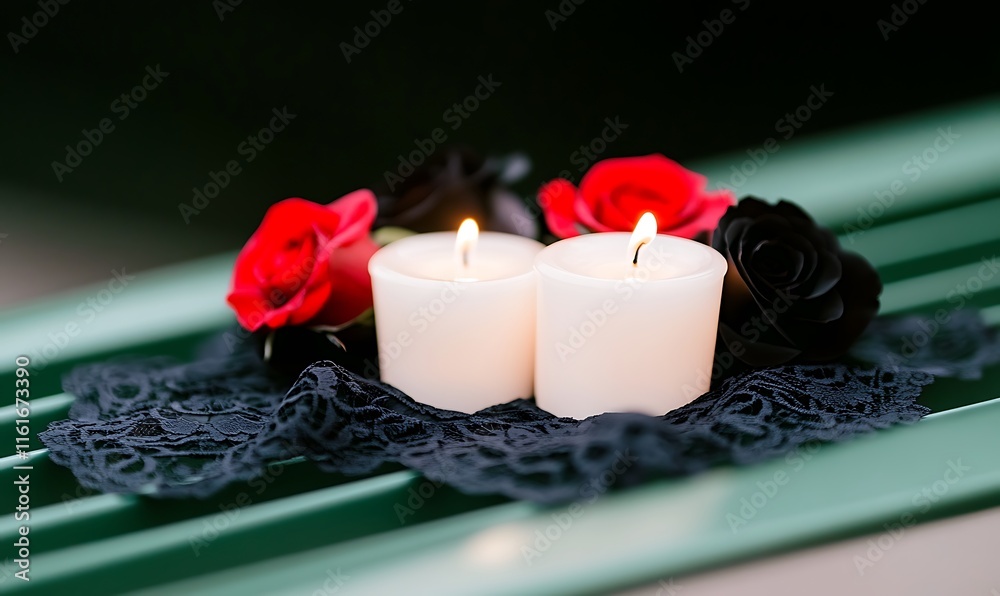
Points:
x=626 y=323
x=455 y=317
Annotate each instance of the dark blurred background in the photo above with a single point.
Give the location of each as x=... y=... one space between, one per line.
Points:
x=560 y=77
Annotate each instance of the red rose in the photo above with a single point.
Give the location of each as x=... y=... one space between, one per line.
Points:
x=306 y=264
x=616 y=192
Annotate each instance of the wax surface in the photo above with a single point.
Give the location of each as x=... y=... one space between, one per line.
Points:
x=459 y=345
x=612 y=338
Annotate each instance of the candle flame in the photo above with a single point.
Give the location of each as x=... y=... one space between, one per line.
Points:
x=465 y=245
x=644 y=233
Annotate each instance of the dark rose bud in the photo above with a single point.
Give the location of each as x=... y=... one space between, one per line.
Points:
x=791 y=292
x=454 y=184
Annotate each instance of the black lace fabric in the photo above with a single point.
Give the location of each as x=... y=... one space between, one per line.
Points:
x=186 y=430
x=171 y=429
x=947 y=344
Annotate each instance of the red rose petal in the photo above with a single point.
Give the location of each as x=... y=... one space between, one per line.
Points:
x=355 y=214
x=713 y=206
x=283 y=275
x=557 y=199
x=353 y=295
x=655 y=174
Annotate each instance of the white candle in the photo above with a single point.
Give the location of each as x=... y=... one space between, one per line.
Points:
x=626 y=323
x=455 y=317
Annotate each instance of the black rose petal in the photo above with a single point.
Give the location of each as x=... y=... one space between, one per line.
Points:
x=791 y=292
x=453 y=184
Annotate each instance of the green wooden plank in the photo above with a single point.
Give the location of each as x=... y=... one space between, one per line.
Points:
x=834 y=175
x=666 y=528
x=925 y=236
x=50 y=483
x=157 y=309
x=920 y=245
x=43 y=411
x=991 y=315
x=257 y=531
x=972 y=284
x=87 y=516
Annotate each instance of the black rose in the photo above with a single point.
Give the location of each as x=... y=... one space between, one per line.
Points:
x=453 y=184
x=791 y=292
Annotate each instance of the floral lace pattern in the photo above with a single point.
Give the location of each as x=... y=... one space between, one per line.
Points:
x=958 y=345
x=187 y=430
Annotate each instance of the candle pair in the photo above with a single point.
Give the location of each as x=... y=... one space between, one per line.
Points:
x=602 y=322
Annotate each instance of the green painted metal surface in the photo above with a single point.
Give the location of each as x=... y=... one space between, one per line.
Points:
x=666 y=528
x=295 y=528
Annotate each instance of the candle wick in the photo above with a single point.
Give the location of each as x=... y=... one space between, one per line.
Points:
x=465 y=258
x=635 y=259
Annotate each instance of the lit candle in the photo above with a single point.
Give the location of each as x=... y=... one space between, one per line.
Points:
x=626 y=322
x=455 y=316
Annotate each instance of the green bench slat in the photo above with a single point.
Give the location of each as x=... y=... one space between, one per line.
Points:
x=158 y=316
x=949 y=289
x=163 y=311
x=255 y=532
x=85 y=516
x=140 y=542
x=928 y=235
x=663 y=529
x=59 y=527
x=50 y=483
x=833 y=175
x=44 y=411
x=991 y=315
